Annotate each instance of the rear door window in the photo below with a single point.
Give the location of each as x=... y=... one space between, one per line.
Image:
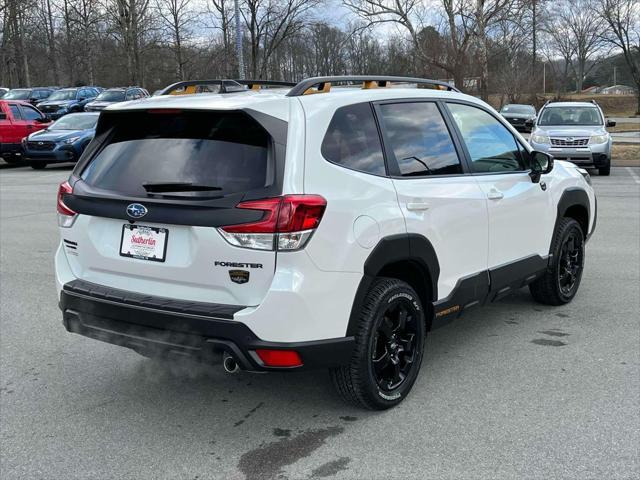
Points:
x=30 y=113
x=15 y=111
x=223 y=152
x=352 y=140
x=419 y=139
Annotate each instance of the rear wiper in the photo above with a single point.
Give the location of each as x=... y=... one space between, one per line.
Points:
x=177 y=187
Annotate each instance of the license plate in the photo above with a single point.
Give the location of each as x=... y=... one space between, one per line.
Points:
x=145 y=243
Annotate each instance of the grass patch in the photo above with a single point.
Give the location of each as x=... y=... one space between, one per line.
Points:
x=625 y=127
x=625 y=155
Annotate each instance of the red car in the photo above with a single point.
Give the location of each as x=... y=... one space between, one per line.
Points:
x=17 y=120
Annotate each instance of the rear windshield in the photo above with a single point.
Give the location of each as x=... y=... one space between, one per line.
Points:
x=227 y=152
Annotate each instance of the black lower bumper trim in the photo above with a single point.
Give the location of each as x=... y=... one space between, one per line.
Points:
x=152 y=327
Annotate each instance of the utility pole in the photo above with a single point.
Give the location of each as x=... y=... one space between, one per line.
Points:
x=614 y=75
x=239 y=41
x=544 y=78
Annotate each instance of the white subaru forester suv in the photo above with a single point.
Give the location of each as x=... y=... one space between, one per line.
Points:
x=311 y=225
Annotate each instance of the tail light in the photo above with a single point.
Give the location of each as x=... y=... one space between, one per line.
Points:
x=287 y=223
x=66 y=216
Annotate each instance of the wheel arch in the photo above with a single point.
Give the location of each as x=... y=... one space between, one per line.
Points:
x=407 y=257
x=574 y=203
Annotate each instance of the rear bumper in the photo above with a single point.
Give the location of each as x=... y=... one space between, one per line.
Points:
x=169 y=327
x=8 y=149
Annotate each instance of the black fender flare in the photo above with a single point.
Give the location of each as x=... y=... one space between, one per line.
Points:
x=572 y=197
x=389 y=250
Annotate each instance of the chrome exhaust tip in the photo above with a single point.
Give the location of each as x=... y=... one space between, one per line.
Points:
x=229 y=363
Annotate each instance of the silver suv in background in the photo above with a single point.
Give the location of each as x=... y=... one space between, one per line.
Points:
x=576 y=132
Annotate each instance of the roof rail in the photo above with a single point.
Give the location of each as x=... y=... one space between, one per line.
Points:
x=256 y=84
x=226 y=86
x=323 y=84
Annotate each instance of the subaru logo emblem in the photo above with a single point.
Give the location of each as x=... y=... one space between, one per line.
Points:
x=136 y=210
x=569 y=139
x=40 y=143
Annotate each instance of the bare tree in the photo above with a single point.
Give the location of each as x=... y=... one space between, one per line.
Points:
x=575 y=28
x=131 y=21
x=46 y=15
x=485 y=14
x=412 y=17
x=271 y=22
x=177 y=18
x=86 y=17
x=223 y=13
x=622 y=18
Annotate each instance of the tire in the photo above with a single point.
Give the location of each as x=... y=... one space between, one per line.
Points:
x=561 y=280
x=365 y=381
x=605 y=171
x=38 y=165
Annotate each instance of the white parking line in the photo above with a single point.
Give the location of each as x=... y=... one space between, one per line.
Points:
x=635 y=177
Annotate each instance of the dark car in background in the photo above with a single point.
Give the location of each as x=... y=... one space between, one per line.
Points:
x=67 y=100
x=518 y=115
x=63 y=141
x=33 y=95
x=115 y=95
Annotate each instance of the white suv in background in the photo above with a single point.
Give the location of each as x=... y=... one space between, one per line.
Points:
x=311 y=226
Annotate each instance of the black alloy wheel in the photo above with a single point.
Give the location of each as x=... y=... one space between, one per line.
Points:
x=570 y=262
x=389 y=344
x=395 y=344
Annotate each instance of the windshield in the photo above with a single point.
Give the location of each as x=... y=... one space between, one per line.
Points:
x=525 y=109
x=111 y=96
x=76 y=121
x=17 y=95
x=63 y=95
x=225 y=150
x=570 y=116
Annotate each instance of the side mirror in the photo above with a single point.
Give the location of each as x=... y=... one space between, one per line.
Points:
x=541 y=163
x=529 y=123
x=611 y=123
x=42 y=120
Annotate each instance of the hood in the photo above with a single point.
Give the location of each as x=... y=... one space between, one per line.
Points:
x=55 y=103
x=100 y=104
x=58 y=135
x=570 y=130
x=526 y=116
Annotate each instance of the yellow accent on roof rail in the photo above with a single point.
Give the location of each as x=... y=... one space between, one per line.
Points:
x=321 y=88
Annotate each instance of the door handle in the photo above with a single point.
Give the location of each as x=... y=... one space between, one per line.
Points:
x=417 y=206
x=495 y=194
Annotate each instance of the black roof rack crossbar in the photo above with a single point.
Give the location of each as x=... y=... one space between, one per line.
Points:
x=273 y=83
x=308 y=83
x=226 y=86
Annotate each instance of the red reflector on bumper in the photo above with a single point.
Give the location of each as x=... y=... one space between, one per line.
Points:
x=279 y=358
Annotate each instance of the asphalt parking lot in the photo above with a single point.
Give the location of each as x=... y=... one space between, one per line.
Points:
x=513 y=390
